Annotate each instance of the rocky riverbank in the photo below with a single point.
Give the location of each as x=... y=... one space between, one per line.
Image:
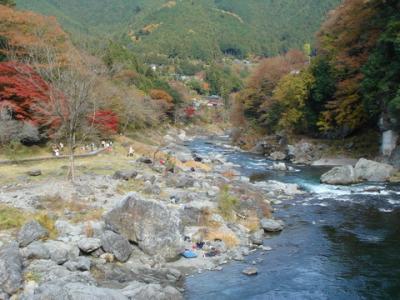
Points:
x=87 y=240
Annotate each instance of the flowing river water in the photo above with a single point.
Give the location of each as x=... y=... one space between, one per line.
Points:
x=339 y=242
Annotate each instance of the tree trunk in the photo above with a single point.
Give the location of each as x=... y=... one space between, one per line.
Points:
x=71 y=173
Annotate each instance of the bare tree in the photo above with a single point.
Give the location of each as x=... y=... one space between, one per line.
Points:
x=70 y=97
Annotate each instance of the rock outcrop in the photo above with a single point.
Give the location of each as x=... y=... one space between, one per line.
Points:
x=156 y=228
x=369 y=170
x=117 y=245
x=271 y=225
x=31 y=231
x=343 y=175
x=10 y=269
x=365 y=170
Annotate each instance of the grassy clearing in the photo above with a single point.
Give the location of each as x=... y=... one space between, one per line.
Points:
x=11 y=217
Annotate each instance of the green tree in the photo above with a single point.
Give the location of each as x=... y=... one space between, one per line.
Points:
x=381 y=85
x=10 y=3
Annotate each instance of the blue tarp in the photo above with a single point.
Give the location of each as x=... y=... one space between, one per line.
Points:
x=189 y=254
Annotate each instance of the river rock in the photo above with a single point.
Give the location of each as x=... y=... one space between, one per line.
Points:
x=117 y=245
x=76 y=291
x=271 y=225
x=66 y=229
x=152 y=189
x=277 y=155
x=259 y=148
x=10 y=269
x=278 y=187
x=34 y=173
x=138 y=290
x=48 y=271
x=31 y=231
x=181 y=181
x=373 y=171
x=82 y=263
x=60 y=252
x=156 y=228
x=340 y=175
x=257 y=237
x=279 y=166
x=88 y=245
x=251 y=271
x=35 y=250
x=302 y=152
x=125 y=175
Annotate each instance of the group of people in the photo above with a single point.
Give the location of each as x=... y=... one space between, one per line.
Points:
x=106 y=144
x=57 y=149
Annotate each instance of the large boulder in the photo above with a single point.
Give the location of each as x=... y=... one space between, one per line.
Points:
x=271 y=225
x=340 y=176
x=60 y=252
x=88 y=245
x=117 y=245
x=10 y=269
x=181 y=181
x=138 y=290
x=35 y=250
x=31 y=231
x=156 y=228
x=302 y=152
x=369 y=170
x=76 y=291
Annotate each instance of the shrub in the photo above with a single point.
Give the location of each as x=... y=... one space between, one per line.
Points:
x=227 y=203
x=47 y=222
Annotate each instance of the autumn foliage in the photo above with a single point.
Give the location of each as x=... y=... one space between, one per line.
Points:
x=346 y=40
x=25 y=30
x=165 y=99
x=25 y=94
x=106 y=121
x=257 y=97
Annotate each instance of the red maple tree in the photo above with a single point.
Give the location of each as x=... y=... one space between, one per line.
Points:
x=26 y=95
x=106 y=121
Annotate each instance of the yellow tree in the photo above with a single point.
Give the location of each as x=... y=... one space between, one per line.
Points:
x=291 y=95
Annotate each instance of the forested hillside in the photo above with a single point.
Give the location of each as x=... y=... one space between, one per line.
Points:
x=202 y=29
x=351 y=83
x=91 y=16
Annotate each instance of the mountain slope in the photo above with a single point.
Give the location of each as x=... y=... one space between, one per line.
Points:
x=201 y=29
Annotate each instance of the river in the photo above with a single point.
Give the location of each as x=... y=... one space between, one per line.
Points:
x=339 y=243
